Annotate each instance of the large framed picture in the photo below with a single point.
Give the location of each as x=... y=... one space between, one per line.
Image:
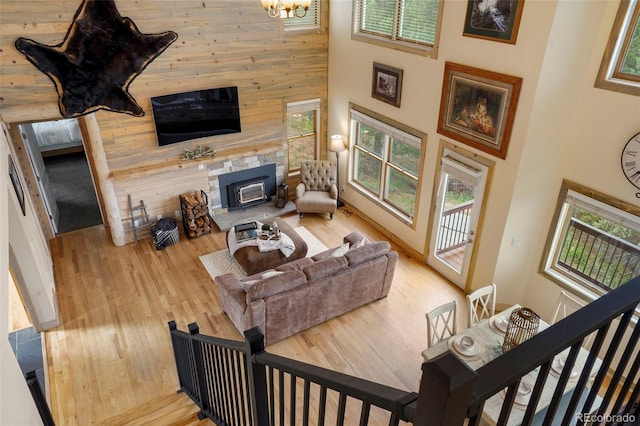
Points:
x=497 y=20
x=478 y=107
x=386 y=84
x=17 y=186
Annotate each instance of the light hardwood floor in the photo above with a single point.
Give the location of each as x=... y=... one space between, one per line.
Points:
x=113 y=352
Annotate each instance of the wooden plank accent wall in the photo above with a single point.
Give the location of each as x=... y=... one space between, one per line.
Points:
x=220 y=43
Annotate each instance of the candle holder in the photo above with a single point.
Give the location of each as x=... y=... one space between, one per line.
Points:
x=523 y=323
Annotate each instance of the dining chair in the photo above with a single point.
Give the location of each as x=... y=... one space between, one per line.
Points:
x=482 y=304
x=441 y=323
x=567 y=305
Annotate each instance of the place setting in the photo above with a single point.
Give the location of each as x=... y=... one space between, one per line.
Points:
x=465 y=345
x=523 y=395
x=499 y=323
x=558 y=364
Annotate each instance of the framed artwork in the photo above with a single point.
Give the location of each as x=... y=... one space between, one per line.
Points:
x=386 y=84
x=478 y=107
x=496 y=20
x=17 y=186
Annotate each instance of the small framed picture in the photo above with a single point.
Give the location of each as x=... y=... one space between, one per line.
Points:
x=387 y=84
x=478 y=107
x=496 y=20
x=17 y=186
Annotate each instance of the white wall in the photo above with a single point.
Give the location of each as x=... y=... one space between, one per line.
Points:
x=350 y=68
x=582 y=132
x=30 y=259
x=16 y=404
x=564 y=127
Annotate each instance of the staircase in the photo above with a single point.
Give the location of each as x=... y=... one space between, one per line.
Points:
x=171 y=410
x=238 y=383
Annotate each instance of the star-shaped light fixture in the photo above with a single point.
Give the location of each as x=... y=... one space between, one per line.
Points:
x=102 y=53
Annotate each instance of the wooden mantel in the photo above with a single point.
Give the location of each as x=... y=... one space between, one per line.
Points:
x=171 y=164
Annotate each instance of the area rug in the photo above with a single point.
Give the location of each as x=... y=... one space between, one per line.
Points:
x=222 y=262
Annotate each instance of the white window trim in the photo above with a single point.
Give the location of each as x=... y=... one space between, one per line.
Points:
x=291 y=22
x=304 y=106
x=613 y=51
x=430 y=51
x=391 y=132
x=572 y=194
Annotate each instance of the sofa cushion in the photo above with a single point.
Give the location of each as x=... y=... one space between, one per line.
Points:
x=248 y=282
x=367 y=252
x=323 y=255
x=295 y=265
x=276 y=284
x=324 y=268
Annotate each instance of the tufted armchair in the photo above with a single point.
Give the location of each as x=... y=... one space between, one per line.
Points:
x=317 y=191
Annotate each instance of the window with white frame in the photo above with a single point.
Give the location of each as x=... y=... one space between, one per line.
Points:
x=310 y=21
x=386 y=163
x=410 y=25
x=620 y=67
x=302 y=132
x=594 y=242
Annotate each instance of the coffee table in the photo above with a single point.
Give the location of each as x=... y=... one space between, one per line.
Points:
x=253 y=260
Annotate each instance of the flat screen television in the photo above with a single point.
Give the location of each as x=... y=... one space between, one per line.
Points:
x=198 y=114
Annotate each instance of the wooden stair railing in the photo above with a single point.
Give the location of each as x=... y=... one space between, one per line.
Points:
x=614 y=385
x=238 y=383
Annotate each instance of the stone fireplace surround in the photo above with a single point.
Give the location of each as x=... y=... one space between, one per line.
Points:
x=215 y=170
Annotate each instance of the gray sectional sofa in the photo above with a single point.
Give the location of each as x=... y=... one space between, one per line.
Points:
x=308 y=291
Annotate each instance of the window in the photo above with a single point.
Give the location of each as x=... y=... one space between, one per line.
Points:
x=302 y=132
x=310 y=21
x=620 y=68
x=386 y=163
x=594 y=242
x=410 y=25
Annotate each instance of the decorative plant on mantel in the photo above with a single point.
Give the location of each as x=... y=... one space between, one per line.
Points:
x=199 y=152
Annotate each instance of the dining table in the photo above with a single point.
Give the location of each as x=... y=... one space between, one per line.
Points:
x=482 y=342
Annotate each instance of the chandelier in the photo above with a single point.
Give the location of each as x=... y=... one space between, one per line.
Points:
x=286 y=9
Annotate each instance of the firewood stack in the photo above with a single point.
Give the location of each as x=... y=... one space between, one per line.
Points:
x=195 y=214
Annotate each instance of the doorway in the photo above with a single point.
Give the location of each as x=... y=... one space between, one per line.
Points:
x=59 y=162
x=454 y=226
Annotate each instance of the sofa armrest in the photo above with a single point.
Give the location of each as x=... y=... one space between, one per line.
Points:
x=229 y=286
x=300 y=189
x=367 y=252
x=354 y=238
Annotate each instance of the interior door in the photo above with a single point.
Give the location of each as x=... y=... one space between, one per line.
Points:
x=29 y=138
x=459 y=201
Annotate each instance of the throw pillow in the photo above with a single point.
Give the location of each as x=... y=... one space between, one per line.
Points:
x=246 y=285
x=340 y=251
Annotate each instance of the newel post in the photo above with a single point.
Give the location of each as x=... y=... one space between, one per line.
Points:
x=196 y=345
x=445 y=391
x=257 y=377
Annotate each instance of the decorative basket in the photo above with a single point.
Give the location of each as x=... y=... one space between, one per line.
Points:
x=165 y=233
x=523 y=323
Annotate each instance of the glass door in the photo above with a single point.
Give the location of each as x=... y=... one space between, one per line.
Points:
x=459 y=200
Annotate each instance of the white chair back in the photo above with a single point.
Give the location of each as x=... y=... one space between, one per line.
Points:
x=566 y=306
x=482 y=304
x=441 y=323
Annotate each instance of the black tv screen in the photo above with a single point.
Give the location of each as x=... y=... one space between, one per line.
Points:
x=198 y=114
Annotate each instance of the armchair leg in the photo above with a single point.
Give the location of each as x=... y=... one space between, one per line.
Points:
x=331 y=216
x=300 y=214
